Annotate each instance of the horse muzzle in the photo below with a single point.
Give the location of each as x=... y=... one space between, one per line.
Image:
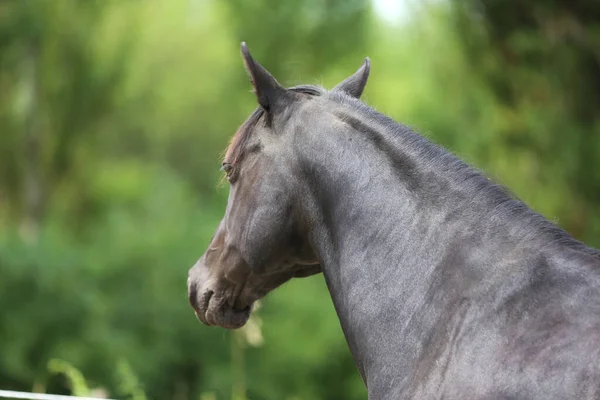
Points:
x=216 y=301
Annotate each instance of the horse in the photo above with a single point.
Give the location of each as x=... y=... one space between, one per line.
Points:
x=445 y=284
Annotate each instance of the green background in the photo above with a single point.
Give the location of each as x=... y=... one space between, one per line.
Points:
x=113 y=119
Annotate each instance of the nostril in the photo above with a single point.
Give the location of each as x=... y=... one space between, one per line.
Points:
x=193 y=295
x=206 y=299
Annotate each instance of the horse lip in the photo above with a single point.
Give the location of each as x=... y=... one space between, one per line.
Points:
x=203 y=309
x=221 y=313
x=212 y=309
x=240 y=306
x=235 y=318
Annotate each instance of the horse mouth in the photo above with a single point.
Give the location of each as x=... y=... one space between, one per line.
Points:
x=215 y=310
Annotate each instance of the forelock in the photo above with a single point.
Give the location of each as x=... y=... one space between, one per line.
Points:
x=238 y=142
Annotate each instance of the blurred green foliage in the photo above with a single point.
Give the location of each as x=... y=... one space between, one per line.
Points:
x=113 y=117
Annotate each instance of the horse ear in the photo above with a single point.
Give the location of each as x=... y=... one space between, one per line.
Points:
x=355 y=84
x=269 y=92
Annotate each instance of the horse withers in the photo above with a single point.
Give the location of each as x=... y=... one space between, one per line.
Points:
x=445 y=285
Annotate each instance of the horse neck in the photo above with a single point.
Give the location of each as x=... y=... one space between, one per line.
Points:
x=385 y=219
x=371 y=236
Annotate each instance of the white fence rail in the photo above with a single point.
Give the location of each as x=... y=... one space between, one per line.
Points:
x=9 y=394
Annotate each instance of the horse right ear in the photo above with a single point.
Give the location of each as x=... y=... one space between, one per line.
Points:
x=269 y=93
x=355 y=84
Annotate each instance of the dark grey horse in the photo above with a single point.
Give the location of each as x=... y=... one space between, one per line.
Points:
x=446 y=286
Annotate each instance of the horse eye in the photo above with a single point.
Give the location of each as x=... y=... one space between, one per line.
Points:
x=227 y=167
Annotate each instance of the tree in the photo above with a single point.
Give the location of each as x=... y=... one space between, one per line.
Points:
x=541 y=60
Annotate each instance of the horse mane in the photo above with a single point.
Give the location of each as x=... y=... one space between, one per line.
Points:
x=501 y=201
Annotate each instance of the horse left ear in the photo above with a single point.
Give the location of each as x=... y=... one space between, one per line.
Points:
x=269 y=93
x=355 y=84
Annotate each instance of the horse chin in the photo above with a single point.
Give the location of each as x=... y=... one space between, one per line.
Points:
x=220 y=313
